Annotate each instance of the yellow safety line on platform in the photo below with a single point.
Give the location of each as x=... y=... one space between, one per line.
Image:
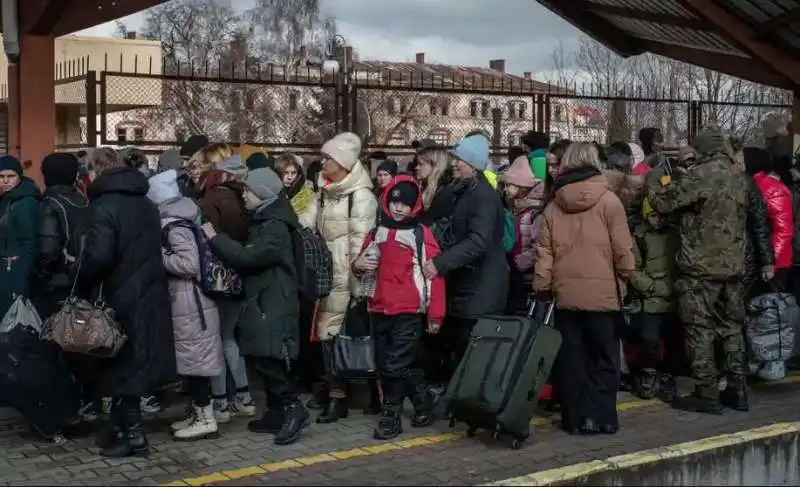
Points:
x=577 y=473
x=376 y=449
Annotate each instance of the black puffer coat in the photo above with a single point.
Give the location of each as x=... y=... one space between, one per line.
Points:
x=475 y=267
x=123 y=252
x=758 y=250
x=62 y=217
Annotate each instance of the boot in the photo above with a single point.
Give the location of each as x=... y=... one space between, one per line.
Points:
x=319 y=396
x=109 y=428
x=202 y=426
x=735 y=395
x=589 y=427
x=423 y=401
x=374 y=406
x=334 y=410
x=131 y=440
x=269 y=423
x=668 y=387
x=699 y=402
x=188 y=420
x=389 y=424
x=647 y=384
x=295 y=420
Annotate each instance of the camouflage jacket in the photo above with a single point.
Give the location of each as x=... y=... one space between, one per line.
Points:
x=712 y=199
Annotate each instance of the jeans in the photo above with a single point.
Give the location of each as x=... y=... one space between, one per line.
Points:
x=230 y=312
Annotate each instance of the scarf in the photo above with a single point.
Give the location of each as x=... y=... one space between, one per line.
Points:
x=302 y=199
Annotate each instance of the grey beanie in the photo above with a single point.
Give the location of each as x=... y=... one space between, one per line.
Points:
x=265 y=184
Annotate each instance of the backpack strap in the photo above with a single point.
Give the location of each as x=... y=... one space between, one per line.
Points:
x=419 y=239
x=70 y=259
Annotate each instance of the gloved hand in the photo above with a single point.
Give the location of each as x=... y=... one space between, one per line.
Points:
x=662 y=289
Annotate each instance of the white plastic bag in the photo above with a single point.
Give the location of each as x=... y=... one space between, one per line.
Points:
x=21 y=313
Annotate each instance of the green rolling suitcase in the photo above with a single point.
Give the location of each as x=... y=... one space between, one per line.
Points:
x=497 y=384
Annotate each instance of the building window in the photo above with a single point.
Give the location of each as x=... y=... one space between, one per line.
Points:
x=516 y=110
x=292 y=101
x=515 y=138
x=479 y=108
x=122 y=134
x=439 y=106
x=138 y=134
x=445 y=104
x=391 y=106
x=558 y=113
x=397 y=138
x=441 y=137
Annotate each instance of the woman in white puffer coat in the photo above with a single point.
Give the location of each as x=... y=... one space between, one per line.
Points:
x=346 y=212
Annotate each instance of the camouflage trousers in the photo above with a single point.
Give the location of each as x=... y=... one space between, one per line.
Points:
x=713 y=310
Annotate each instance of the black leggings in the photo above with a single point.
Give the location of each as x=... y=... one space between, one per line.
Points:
x=199 y=390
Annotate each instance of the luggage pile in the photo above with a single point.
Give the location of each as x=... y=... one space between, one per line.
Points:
x=771 y=322
x=497 y=385
x=34 y=377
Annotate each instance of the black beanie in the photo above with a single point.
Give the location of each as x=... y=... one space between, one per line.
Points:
x=11 y=163
x=60 y=169
x=404 y=192
x=194 y=144
x=389 y=166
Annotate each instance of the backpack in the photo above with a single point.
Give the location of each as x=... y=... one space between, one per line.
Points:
x=216 y=279
x=509 y=231
x=314 y=264
x=74 y=232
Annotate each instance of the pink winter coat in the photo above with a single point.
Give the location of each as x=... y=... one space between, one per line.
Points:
x=198 y=346
x=529 y=210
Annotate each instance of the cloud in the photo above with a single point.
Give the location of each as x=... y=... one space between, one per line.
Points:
x=465 y=32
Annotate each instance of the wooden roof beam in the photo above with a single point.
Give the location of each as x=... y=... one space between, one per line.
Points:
x=50 y=16
x=595 y=26
x=643 y=15
x=745 y=38
x=768 y=27
x=724 y=63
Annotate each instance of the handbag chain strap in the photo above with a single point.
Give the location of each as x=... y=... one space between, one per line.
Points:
x=100 y=301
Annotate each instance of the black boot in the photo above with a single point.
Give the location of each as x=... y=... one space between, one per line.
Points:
x=647 y=384
x=390 y=425
x=667 y=387
x=735 y=395
x=270 y=422
x=699 y=402
x=131 y=441
x=334 y=410
x=319 y=396
x=295 y=420
x=423 y=401
x=374 y=406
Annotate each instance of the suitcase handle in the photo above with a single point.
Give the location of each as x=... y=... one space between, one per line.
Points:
x=548 y=314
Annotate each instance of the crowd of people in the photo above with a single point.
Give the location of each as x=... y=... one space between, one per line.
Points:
x=632 y=246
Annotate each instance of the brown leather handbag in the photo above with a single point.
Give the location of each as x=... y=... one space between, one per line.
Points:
x=85 y=327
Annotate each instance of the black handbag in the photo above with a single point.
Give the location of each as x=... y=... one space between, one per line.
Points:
x=353 y=350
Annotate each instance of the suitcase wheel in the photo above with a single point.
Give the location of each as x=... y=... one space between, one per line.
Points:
x=516 y=444
x=471 y=432
x=496 y=435
x=451 y=422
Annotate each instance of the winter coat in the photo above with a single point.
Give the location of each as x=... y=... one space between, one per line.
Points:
x=195 y=318
x=758 y=250
x=779 y=206
x=268 y=326
x=656 y=271
x=19 y=215
x=62 y=212
x=122 y=252
x=475 y=267
x=629 y=188
x=527 y=213
x=584 y=249
x=222 y=205
x=400 y=287
x=347 y=212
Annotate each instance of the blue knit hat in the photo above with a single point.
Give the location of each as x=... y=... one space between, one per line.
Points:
x=474 y=150
x=11 y=163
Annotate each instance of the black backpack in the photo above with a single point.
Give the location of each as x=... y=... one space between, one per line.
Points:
x=74 y=223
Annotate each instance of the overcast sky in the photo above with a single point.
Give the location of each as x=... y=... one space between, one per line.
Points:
x=464 y=32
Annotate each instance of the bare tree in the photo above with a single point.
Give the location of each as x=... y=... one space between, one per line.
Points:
x=226 y=60
x=658 y=92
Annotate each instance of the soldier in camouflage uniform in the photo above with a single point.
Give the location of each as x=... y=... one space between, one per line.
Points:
x=712 y=201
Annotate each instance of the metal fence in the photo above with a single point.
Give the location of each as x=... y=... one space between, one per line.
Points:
x=299 y=108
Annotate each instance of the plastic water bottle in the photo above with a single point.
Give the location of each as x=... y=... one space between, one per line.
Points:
x=368 y=281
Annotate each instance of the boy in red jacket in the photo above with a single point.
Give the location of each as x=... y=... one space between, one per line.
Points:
x=402 y=302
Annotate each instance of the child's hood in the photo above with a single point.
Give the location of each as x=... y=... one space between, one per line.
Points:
x=401 y=178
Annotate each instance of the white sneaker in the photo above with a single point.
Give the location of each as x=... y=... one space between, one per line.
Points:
x=222 y=414
x=203 y=426
x=244 y=409
x=150 y=405
x=186 y=422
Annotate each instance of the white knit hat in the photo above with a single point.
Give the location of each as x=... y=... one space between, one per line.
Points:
x=344 y=149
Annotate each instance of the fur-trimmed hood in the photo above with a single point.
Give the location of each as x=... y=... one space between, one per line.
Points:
x=627 y=187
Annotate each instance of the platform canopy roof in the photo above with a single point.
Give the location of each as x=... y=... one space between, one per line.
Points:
x=60 y=17
x=758 y=40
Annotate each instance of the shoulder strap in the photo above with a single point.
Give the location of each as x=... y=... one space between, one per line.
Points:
x=642 y=244
x=350 y=205
x=419 y=239
x=67 y=232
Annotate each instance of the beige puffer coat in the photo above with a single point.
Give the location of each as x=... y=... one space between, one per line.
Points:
x=343 y=233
